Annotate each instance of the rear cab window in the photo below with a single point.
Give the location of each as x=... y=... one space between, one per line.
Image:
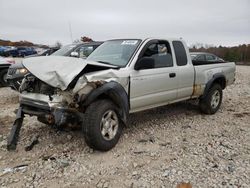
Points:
x=180 y=53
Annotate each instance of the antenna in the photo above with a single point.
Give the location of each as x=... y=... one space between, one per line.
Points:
x=70 y=32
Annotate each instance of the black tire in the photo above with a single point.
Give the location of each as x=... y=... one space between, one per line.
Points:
x=3 y=74
x=94 y=130
x=209 y=104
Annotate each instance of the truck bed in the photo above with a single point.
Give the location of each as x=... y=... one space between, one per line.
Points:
x=205 y=72
x=197 y=63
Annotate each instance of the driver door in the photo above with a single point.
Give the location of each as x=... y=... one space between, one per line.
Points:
x=154 y=86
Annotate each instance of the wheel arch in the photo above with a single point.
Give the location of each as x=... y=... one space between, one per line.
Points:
x=113 y=91
x=217 y=79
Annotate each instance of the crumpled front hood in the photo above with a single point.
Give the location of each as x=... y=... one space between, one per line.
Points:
x=57 y=71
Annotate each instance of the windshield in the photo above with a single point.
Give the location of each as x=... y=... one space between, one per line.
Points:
x=64 y=50
x=115 y=52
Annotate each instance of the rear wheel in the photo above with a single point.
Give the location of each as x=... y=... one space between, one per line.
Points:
x=102 y=127
x=212 y=101
x=3 y=77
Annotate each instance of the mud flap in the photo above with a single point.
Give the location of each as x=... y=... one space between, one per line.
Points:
x=14 y=134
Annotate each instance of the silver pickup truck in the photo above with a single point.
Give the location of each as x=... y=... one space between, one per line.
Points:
x=120 y=77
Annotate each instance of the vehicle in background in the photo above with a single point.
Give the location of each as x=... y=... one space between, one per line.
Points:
x=3 y=49
x=49 y=51
x=120 y=77
x=12 y=51
x=203 y=57
x=4 y=65
x=46 y=52
x=26 y=51
x=7 y=51
x=19 y=51
x=79 y=50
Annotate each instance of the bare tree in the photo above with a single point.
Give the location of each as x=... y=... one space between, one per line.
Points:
x=86 y=39
x=58 y=44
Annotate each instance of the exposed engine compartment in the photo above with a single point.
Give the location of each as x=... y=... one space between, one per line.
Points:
x=60 y=101
x=32 y=84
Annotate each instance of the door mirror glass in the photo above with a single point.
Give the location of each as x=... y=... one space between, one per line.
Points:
x=74 y=54
x=145 y=63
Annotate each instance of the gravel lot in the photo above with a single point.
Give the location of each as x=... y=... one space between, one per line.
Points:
x=161 y=148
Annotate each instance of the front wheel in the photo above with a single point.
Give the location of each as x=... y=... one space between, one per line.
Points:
x=210 y=104
x=102 y=127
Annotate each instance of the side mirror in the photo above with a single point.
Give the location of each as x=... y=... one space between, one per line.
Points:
x=74 y=54
x=145 y=63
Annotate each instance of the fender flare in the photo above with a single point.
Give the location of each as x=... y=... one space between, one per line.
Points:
x=216 y=77
x=114 y=91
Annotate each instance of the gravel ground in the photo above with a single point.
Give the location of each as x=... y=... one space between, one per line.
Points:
x=161 y=147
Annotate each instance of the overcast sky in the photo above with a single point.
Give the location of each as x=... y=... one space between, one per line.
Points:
x=225 y=22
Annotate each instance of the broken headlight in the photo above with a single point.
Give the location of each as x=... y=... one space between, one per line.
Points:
x=27 y=83
x=21 y=71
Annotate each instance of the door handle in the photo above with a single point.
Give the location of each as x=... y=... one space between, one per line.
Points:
x=172 y=75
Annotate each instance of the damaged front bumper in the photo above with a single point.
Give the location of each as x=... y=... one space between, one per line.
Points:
x=52 y=113
x=53 y=109
x=58 y=107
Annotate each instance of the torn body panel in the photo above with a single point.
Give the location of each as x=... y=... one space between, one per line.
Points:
x=91 y=81
x=59 y=71
x=87 y=88
x=115 y=92
x=55 y=106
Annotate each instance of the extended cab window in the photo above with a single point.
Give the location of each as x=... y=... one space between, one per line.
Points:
x=180 y=53
x=161 y=54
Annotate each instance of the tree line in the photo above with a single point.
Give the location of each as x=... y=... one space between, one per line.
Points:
x=239 y=53
x=20 y=43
